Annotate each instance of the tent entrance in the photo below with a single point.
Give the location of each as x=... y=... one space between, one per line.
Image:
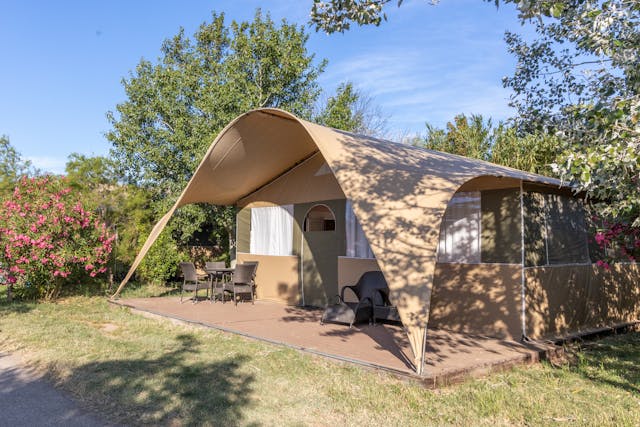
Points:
x=319 y=265
x=320 y=248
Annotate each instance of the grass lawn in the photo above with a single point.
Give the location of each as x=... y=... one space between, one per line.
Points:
x=144 y=371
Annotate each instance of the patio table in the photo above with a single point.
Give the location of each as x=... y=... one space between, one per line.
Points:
x=217 y=276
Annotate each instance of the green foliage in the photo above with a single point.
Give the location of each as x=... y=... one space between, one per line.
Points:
x=125 y=208
x=12 y=166
x=340 y=112
x=352 y=110
x=338 y=15
x=176 y=107
x=48 y=241
x=476 y=138
x=161 y=263
x=466 y=136
x=580 y=80
x=531 y=152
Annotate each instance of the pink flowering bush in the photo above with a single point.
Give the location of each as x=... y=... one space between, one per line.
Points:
x=619 y=242
x=48 y=241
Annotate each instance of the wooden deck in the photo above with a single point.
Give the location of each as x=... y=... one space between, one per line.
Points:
x=449 y=355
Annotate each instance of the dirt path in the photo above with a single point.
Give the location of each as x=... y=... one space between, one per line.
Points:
x=26 y=399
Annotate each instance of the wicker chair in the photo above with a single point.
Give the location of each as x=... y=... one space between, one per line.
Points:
x=192 y=281
x=371 y=291
x=255 y=270
x=242 y=281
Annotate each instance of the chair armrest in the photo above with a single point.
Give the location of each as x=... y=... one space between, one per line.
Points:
x=350 y=287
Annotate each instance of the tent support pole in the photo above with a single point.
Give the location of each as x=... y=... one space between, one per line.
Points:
x=302 y=262
x=522 y=262
x=420 y=368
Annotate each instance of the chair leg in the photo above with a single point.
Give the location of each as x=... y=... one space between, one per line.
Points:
x=235 y=300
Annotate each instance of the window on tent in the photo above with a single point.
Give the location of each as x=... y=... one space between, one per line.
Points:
x=357 y=243
x=272 y=230
x=460 y=230
x=320 y=218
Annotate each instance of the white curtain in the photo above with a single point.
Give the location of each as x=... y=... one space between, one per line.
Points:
x=460 y=230
x=357 y=243
x=272 y=230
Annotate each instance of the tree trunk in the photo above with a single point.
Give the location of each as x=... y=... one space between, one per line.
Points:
x=232 y=242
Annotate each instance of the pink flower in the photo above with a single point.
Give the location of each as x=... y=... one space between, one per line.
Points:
x=600 y=239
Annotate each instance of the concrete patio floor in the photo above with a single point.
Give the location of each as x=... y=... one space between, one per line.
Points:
x=449 y=355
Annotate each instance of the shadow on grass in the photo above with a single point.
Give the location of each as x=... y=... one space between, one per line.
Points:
x=612 y=360
x=15 y=307
x=145 y=290
x=177 y=388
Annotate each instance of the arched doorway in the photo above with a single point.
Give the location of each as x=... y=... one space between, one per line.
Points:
x=320 y=251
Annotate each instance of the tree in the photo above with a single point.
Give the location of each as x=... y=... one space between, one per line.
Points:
x=580 y=80
x=352 y=110
x=12 y=166
x=124 y=208
x=177 y=106
x=477 y=138
x=532 y=152
x=338 y=15
x=470 y=137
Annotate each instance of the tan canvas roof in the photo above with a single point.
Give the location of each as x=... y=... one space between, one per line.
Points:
x=399 y=192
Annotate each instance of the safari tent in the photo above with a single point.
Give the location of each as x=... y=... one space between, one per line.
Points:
x=463 y=244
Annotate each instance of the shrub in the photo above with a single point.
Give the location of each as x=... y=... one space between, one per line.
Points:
x=48 y=241
x=618 y=241
x=161 y=262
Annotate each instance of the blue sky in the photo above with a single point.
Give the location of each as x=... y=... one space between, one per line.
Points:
x=62 y=63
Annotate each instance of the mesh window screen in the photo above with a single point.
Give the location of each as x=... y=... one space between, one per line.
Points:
x=566 y=230
x=535 y=250
x=555 y=230
x=500 y=231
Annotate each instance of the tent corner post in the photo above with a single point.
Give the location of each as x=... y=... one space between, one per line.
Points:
x=421 y=358
x=523 y=292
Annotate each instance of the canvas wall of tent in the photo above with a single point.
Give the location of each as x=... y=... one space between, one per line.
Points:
x=463 y=244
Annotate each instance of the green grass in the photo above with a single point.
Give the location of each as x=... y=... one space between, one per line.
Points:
x=144 y=371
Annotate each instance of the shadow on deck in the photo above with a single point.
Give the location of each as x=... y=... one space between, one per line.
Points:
x=450 y=356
